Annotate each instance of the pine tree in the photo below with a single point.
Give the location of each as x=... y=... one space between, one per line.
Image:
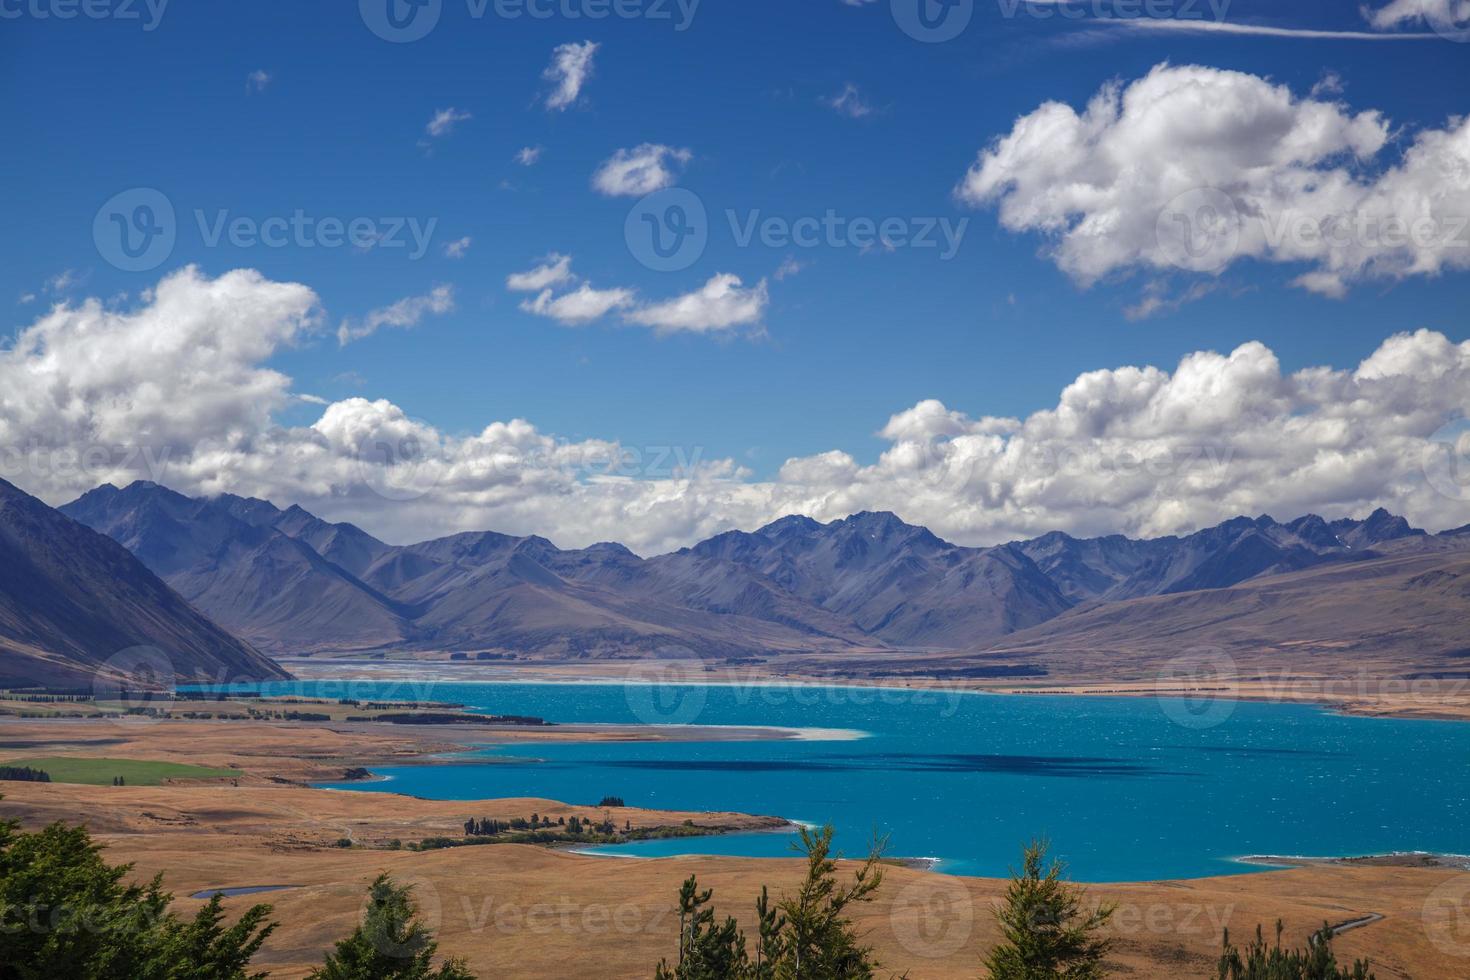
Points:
x=706 y=951
x=819 y=942
x=390 y=944
x=92 y=925
x=1274 y=963
x=1047 y=934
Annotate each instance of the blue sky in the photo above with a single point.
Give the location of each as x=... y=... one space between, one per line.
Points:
x=337 y=127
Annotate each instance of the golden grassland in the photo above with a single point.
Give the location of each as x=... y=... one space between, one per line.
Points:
x=524 y=911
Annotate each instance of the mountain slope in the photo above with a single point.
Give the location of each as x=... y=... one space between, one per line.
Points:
x=264 y=585
x=71 y=599
x=1407 y=612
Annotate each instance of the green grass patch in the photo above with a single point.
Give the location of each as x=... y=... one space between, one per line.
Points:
x=102 y=772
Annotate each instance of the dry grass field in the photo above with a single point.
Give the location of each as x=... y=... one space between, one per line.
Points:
x=516 y=911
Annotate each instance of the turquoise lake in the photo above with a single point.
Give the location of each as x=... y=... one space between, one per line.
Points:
x=1123 y=789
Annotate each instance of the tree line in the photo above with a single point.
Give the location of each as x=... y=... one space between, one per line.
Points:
x=24 y=774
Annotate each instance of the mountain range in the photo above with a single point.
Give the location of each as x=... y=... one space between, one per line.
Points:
x=73 y=603
x=868 y=585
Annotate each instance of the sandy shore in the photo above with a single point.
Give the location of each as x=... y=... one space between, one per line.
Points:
x=527 y=912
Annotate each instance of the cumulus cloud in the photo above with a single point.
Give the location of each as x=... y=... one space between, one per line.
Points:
x=176 y=389
x=720 y=304
x=580 y=306
x=458 y=248
x=1193 y=168
x=570 y=68
x=529 y=156
x=257 y=81
x=641 y=170
x=554 y=270
x=404 y=314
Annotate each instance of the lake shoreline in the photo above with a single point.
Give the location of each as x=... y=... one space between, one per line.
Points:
x=1362 y=697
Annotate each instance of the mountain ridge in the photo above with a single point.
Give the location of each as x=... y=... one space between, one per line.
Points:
x=292 y=583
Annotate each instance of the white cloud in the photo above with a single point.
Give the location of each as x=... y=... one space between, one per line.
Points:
x=257 y=81
x=570 y=68
x=443 y=121
x=404 y=314
x=554 y=270
x=529 y=156
x=720 y=304
x=641 y=170
x=457 y=249
x=177 y=390
x=1194 y=168
x=1452 y=14
x=65 y=281
x=850 y=103
x=582 y=305
x=1182 y=25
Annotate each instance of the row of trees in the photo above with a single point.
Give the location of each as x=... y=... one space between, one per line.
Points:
x=24 y=774
x=1047 y=932
x=67 y=913
x=489 y=827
